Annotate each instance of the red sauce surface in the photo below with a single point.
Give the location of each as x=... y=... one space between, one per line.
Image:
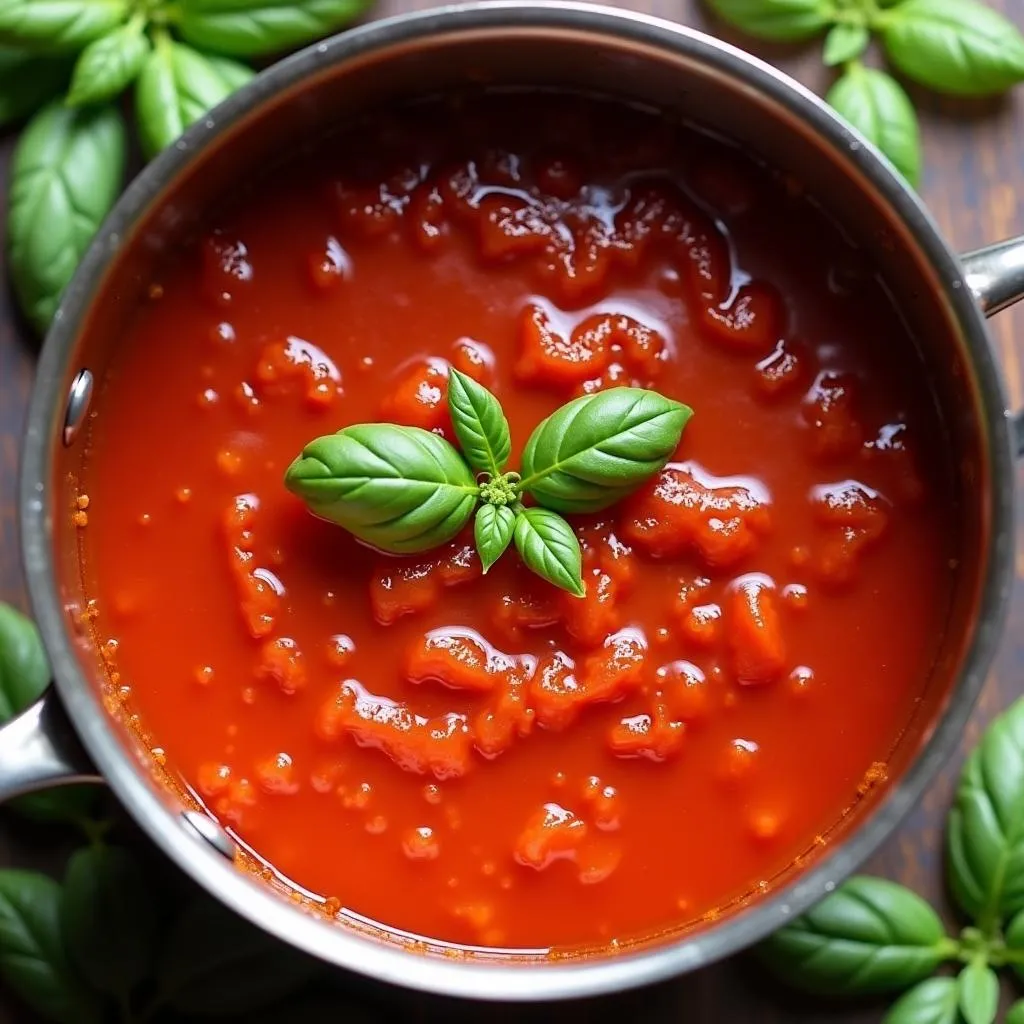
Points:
x=486 y=760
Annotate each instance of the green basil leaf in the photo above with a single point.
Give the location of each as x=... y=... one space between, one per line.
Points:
x=493 y=529
x=785 y=20
x=176 y=87
x=109 y=919
x=869 y=936
x=254 y=28
x=215 y=964
x=1015 y=1014
x=480 y=425
x=954 y=46
x=401 y=489
x=24 y=675
x=844 y=43
x=33 y=962
x=549 y=547
x=593 y=451
x=1014 y=937
x=109 y=65
x=985 y=832
x=58 y=26
x=27 y=82
x=979 y=993
x=876 y=105
x=233 y=73
x=66 y=173
x=935 y=1001
x=24 y=670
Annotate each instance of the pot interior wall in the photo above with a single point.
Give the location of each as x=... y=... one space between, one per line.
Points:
x=685 y=87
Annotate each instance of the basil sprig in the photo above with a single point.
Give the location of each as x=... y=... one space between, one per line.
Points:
x=69 y=164
x=985 y=838
x=959 y=47
x=872 y=935
x=118 y=940
x=403 y=489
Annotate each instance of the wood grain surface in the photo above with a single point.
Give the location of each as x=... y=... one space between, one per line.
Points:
x=974 y=184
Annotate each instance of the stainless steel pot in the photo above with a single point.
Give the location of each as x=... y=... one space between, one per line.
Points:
x=943 y=298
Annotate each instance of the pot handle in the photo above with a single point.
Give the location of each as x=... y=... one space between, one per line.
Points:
x=995 y=276
x=39 y=749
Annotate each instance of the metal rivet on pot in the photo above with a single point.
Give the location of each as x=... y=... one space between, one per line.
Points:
x=79 y=397
x=207 y=829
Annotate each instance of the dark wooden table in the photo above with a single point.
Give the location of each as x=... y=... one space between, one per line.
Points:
x=974 y=183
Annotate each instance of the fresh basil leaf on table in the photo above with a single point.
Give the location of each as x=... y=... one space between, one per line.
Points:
x=58 y=26
x=109 y=919
x=33 y=961
x=492 y=531
x=232 y=72
x=954 y=46
x=844 y=43
x=985 y=834
x=401 y=489
x=869 y=936
x=1014 y=938
x=214 y=963
x=782 y=20
x=935 y=1001
x=876 y=105
x=24 y=675
x=480 y=424
x=66 y=172
x=548 y=546
x=255 y=28
x=24 y=670
x=176 y=87
x=979 y=993
x=595 y=450
x=109 y=65
x=27 y=81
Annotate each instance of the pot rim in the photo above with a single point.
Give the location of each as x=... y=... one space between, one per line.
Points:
x=337 y=944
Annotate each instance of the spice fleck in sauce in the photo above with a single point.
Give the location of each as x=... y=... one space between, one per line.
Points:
x=487 y=760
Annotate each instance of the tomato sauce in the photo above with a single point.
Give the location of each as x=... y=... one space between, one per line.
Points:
x=486 y=760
